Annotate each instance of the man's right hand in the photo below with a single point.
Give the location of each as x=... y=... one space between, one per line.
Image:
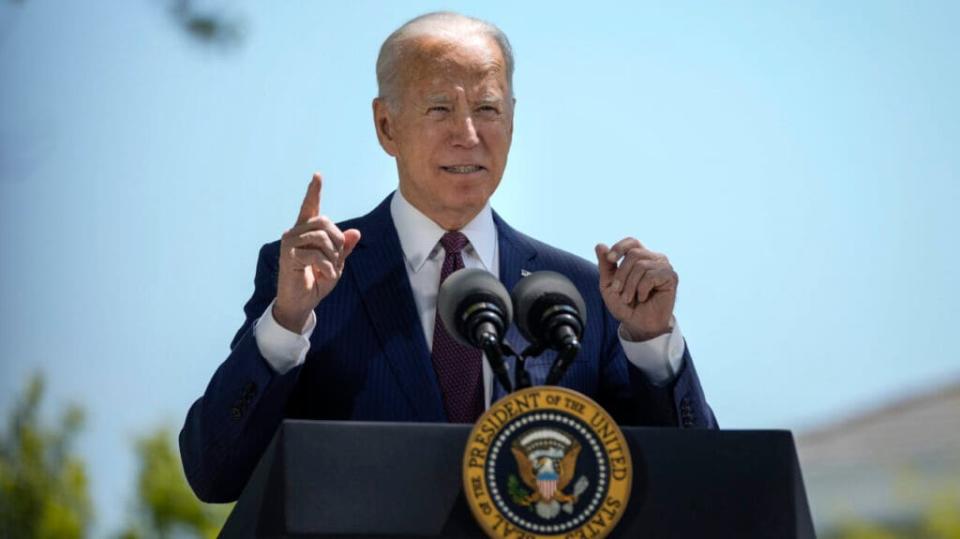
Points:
x=312 y=256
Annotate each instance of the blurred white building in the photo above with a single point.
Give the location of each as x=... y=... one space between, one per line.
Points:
x=889 y=465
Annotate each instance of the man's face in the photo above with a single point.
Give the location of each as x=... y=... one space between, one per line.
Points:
x=451 y=128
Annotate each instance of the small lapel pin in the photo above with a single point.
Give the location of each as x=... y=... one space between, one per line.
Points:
x=524 y=273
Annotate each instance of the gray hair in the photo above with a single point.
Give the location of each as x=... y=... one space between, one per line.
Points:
x=438 y=23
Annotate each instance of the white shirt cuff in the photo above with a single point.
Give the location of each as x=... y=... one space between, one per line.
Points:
x=282 y=348
x=660 y=358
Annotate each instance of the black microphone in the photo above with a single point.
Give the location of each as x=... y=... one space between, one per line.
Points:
x=551 y=313
x=476 y=309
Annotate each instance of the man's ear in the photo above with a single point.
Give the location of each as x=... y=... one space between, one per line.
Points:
x=383 y=121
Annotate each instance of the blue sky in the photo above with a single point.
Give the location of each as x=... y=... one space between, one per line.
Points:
x=800 y=165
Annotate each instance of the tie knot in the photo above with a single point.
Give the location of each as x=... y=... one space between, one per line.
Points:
x=453 y=242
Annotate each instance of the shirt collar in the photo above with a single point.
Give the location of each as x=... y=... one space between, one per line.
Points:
x=419 y=235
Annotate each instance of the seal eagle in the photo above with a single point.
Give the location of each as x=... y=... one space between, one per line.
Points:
x=546 y=460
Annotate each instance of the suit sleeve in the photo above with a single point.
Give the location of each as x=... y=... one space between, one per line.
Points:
x=634 y=399
x=229 y=427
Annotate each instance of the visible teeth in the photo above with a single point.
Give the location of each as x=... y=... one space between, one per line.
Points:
x=465 y=169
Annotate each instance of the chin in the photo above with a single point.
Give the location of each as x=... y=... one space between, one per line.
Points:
x=469 y=197
x=464 y=206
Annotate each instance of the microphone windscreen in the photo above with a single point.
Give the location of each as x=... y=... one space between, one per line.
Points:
x=539 y=290
x=472 y=286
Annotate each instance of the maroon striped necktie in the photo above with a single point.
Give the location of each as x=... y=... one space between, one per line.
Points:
x=458 y=367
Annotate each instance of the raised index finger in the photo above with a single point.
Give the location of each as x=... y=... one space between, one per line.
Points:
x=311 y=201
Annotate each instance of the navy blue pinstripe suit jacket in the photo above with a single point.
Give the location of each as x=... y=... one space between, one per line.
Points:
x=369 y=360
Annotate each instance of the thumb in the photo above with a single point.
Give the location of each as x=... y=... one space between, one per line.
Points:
x=607 y=268
x=351 y=238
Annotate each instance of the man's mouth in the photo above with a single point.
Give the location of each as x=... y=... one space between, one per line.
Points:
x=463 y=169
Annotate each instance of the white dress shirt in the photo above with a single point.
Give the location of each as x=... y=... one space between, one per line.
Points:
x=659 y=358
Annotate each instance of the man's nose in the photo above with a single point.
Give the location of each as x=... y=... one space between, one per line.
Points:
x=464 y=132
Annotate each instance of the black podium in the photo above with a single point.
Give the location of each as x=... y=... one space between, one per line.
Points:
x=347 y=479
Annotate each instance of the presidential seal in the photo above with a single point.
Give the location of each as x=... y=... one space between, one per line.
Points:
x=547 y=462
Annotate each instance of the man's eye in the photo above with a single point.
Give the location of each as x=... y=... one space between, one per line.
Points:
x=437 y=110
x=488 y=110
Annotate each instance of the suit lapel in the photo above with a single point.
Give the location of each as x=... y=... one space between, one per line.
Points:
x=516 y=256
x=377 y=266
x=516 y=252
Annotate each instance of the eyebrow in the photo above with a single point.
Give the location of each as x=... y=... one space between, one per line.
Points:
x=488 y=99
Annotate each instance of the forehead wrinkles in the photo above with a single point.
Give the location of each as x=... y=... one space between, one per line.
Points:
x=473 y=63
x=483 y=88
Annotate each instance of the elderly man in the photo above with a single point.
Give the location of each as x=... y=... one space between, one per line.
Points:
x=342 y=323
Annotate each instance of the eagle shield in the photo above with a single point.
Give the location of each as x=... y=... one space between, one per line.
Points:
x=547 y=461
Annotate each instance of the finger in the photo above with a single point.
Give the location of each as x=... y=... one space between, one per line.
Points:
x=336 y=236
x=307 y=256
x=621 y=247
x=626 y=265
x=632 y=279
x=658 y=280
x=317 y=239
x=310 y=207
x=321 y=222
x=606 y=267
x=314 y=258
x=324 y=223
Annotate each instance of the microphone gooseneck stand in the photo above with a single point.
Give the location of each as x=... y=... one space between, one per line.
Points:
x=475 y=305
x=561 y=326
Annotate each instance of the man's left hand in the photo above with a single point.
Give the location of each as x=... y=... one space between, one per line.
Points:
x=639 y=288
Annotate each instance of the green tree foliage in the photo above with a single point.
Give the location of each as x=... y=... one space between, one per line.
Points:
x=206 y=26
x=203 y=24
x=940 y=519
x=166 y=507
x=43 y=485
